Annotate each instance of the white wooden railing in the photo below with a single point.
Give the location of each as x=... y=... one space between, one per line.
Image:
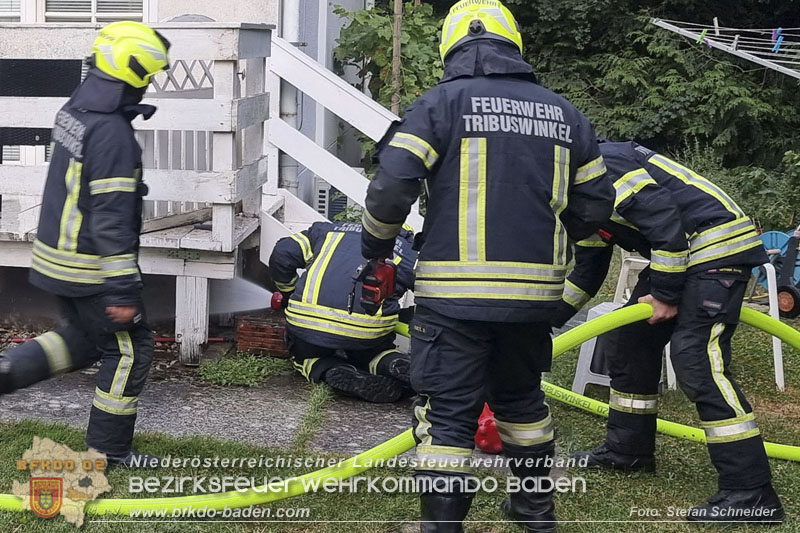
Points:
x=323 y=86
x=234 y=117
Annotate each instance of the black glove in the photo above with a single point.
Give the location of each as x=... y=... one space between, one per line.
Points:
x=562 y=314
x=406 y=314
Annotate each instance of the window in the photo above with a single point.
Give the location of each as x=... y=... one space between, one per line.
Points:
x=10 y=153
x=91 y=10
x=9 y=11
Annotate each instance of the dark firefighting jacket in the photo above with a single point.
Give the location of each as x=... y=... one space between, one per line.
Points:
x=669 y=214
x=511 y=170
x=318 y=307
x=88 y=237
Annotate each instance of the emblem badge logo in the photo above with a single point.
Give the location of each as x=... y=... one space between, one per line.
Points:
x=46 y=495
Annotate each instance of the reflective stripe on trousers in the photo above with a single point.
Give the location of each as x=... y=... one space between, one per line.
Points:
x=443 y=458
x=529 y=434
x=730 y=430
x=639 y=404
x=57 y=352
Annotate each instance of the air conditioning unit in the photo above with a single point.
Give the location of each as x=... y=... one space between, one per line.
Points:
x=329 y=201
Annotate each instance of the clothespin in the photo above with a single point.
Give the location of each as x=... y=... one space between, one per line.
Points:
x=702 y=37
x=735 y=42
x=777 y=47
x=716 y=26
x=776 y=34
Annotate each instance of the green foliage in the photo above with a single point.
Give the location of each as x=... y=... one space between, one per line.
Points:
x=771 y=197
x=243 y=370
x=728 y=119
x=637 y=81
x=351 y=213
x=366 y=43
x=312 y=422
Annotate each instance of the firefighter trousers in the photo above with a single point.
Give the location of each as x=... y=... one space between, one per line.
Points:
x=312 y=360
x=88 y=336
x=700 y=350
x=456 y=366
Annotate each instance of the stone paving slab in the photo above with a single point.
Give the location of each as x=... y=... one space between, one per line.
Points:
x=352 y=426
x=264 y=416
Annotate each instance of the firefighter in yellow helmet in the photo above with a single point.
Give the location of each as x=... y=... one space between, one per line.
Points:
x=511 y=171
x=87 y=245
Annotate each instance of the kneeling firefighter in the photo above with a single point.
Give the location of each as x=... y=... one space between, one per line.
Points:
x=701 y=248
x=511 y=169
x=87 y=245
x=323 y=315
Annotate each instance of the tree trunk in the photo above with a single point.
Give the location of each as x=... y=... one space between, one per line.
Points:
x=396 y=59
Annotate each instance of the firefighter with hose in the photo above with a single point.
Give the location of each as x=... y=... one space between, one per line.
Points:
x=701 y=247
x=511 y=171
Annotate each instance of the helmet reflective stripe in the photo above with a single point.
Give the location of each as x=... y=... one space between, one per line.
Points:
x=108 y=54
x=500 y=17
x=491 y=17
x=155 y=52
x=452 y=24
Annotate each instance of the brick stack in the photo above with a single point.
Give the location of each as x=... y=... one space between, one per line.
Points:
x=262 y=335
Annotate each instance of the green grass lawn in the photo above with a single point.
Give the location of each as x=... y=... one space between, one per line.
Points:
x=685 y=476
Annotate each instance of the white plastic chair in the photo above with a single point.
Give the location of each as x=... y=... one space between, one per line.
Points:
x=583 y=372
x=774 y=312
x=630 y=267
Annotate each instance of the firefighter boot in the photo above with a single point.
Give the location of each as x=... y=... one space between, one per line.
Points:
x=392 y=364
x=604 y=457
x=442 y=511
x=351 y=381
x=532 y=505
x=755 y=505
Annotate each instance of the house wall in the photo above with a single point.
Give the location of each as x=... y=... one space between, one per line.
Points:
x=232 y=11
x=330 y=136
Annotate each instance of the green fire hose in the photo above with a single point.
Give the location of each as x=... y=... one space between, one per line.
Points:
x=405 y=441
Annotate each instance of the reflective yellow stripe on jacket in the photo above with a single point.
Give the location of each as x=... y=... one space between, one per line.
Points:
x=472 y=200
x=558 y=202
x=664 y=261
x=690 y=177
x=722 y=241
x=71 y=217
x=80 y=268
x=417 y=146
x=489 y=280
x=66 y=265
x=108 y=185
x=317 y=270
x=575 y=296
x=631 y=183
x=338 y=322
x=591 y=170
